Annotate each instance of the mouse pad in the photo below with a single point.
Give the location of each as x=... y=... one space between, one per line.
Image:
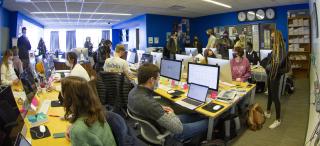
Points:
x=36 y=134
x=209 y=107
x=56 y=103
x=177 y=93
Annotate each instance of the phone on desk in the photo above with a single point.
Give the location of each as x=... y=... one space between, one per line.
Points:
x=59 y=135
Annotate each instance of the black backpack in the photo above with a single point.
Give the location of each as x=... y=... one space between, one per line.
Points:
x=289 y=88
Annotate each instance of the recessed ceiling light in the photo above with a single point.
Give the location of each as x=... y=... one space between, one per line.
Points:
x=85 y=13
x=78 y=19
x=218 y=3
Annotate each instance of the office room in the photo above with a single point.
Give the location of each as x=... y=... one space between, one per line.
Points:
x=156 y=72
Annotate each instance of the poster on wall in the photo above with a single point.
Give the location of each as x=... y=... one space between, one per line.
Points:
x=150 y=40
x=255 y=37
x=156 y=40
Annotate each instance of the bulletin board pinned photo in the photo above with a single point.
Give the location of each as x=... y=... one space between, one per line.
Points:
x=150 y=40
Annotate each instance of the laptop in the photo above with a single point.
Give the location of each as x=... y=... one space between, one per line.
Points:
x=196 y=96
x=22 y=141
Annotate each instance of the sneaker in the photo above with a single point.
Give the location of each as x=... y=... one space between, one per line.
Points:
x=275 y=124
x=266 y=92
x=267 y=115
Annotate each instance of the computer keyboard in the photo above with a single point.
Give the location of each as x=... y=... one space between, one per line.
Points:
x=227 y=84
x=193 y=102
x=186 y=105
x=45 y=106
x=163 y=87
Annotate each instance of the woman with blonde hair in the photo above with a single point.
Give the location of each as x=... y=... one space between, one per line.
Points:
x=278 y=64
x=8 y=75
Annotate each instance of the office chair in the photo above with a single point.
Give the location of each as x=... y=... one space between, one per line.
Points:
x=149 y=132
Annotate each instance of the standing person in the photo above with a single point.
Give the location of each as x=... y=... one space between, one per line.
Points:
x=89 y=45
x=84 y=111
x=241 y=42
x=197 y=44
x=142 y=103
x=211 y=39
x=24 y=46
x=224 y=45
x=42 y=48
x=173 y=45
x=240 y=66
x=251 y=54
x=103 y=53
x=8 y=75
x=76 y=69
x=17 y=64
x=277 y=66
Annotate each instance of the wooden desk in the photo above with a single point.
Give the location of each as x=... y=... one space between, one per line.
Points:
x=250 y=91
x=54 y=124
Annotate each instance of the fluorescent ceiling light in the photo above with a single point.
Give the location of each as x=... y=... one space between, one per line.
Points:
x=85 y=13
x=218 y=3
x=78 y=19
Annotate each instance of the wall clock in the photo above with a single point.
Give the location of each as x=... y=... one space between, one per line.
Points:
x=242 y=16
x=260 y=14
x=251 y=15
x=270 y=13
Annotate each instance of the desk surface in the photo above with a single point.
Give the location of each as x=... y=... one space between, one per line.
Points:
x=242 y=86
x=54 y=124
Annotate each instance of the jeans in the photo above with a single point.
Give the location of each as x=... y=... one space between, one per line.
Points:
x=273 y=94
x=193 y=125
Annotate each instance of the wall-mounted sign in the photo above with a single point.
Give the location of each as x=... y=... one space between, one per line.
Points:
x=150 y=40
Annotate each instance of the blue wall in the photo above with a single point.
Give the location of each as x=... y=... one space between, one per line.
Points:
x=201 y=24
x=21 y=17
x=159 y=25
x=131 y=24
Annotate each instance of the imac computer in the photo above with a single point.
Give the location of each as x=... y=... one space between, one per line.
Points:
x=146 y=58
x=82 y=53
x=225 y=68
x=185 y=59
x=139 y=54
x=157 y=56
x=171 y=69
x=11 y=121
x=192 y=51
x=264 y=54
x=131 y=57
x=205 y=75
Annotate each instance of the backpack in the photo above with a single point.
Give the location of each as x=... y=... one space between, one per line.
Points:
x=289 y=88
x=256 y=117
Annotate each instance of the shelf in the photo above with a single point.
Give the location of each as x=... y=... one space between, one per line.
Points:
x=299 y=26
x=299 y=52
x=299 y=17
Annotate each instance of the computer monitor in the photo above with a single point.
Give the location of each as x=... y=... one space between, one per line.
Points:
x=47 y=68
x=205 y=75
x=22 y=141
x=80 y=51
x=198 y=92
x=139 y=54
x=157 y=56
x=11 y=121
x=185 y=59
x=131 y=57
x=28 y=84
x=264 y=54
x=192 y=51
x=225 y=68
x=146 y=58
x=170 y=69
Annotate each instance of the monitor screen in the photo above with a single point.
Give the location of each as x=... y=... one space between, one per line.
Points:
x=47 y=68
x=264 y=54
x=29 y=84
x=171 y=69
x=205 y=75
x=22 y=141
x=11 y=121
x=198 y=92
x=131 y=57
x=146 y=58
x=192 y=51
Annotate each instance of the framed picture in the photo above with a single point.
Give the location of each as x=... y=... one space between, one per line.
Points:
x=315 y=17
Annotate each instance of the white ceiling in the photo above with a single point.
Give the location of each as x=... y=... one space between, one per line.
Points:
x=192 y=8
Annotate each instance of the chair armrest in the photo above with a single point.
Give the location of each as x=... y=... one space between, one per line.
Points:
x=163 y=136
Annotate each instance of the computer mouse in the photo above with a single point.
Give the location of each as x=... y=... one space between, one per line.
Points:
x=42 y=128
x=171 y=91
x=216 y=107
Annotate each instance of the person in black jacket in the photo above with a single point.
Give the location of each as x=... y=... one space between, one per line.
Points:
x=277 y=65
x=251 y=55
x=42 y=48
x=197 y=44
x=24 y=47
x=102 y=54
x=89 y=45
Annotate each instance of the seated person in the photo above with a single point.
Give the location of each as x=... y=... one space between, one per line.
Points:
x=208 y=53
x=84 y=110
x=17 y=64
x=142 y=103
x=8 y=75
x=240 y=66
x=117 y=64
x=76 y=69
x=251 y=55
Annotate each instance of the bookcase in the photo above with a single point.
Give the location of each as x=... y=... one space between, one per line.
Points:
x=299 y=42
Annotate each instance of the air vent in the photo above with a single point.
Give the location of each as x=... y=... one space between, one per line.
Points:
x=74 y=1
x=177 y=7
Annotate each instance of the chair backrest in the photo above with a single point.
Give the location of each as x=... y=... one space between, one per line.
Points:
x=148 y=131
x=112 y=85
x=122 y=134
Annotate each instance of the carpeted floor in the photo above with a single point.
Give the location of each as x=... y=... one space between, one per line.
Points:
x=292 y=131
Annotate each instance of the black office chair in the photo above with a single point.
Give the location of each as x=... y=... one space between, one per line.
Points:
x=149 y=132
